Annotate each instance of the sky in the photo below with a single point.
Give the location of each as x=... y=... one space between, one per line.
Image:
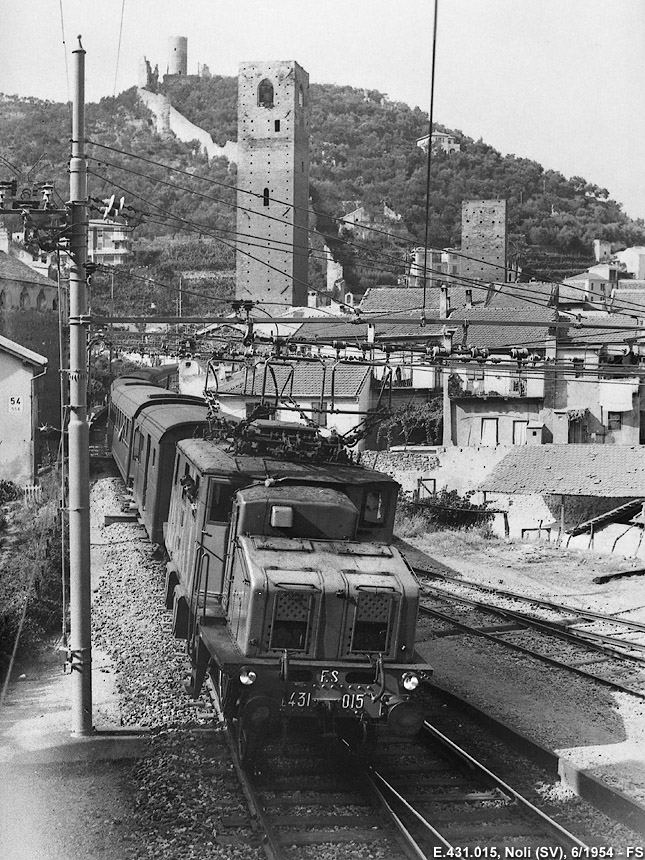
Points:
x=558 y=81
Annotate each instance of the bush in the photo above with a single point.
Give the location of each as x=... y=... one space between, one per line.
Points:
x=446 y=510
x=9 y=492
x=31 y=576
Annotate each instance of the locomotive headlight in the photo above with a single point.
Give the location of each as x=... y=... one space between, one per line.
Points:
x=247 y=676
x=410 y=681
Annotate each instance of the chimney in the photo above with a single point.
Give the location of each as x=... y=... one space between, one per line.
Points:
x=444 y=303
x=469 y=299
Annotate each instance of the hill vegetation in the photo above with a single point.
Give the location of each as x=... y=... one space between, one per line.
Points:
x=363 y=152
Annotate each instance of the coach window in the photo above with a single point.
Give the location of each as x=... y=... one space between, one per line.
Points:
x=174 y=480
x=135 y=445
x=221 y=500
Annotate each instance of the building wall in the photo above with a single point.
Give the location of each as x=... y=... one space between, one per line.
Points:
x=483 y=237
x=38 y=331
x=18 y=408
x=468 y=415
x=22 y=295
x=634 y=260
x=353 y=410
x=273 y=180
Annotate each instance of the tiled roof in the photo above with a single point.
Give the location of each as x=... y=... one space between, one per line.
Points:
x=598 y=336
x=629 y=301
x=306 y=380
x=585 y=276
x=12 y=269
x=396 y=299
x=495 y=336
x=615 y=471
x=355 y=333
x=521 y=295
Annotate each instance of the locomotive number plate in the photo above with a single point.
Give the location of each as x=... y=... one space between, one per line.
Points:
x=352 y=701
x=298 y=700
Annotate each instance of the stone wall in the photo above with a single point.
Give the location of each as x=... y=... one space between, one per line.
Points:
x=169 y=119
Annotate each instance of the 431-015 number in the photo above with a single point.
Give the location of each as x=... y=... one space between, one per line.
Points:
x=349 y=701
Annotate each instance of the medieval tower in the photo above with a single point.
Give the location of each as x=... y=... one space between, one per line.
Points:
x=273 y=183
x=177 y=55
x=483 y=240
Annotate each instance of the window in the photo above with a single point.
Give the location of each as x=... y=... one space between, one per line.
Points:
x=220 y=504
x=276 y=125
x=265 y=93
x=614 y=421
x=137 y=444
x=265 y=197
x=578 y=365
x=489 y=431
x=519 y=432
x=373 y=513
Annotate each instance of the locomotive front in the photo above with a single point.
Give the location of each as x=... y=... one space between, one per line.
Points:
x=322 y=624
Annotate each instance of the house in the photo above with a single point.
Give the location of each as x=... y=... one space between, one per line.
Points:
x=21 y=288
x=440 y=140
x=599 y=398
x=20 y=368
x=108 y=242
x=557 y=488
x=633 y=260
x=29 y=316
x=499 y=384
x=439 y=264
x=592 y=384
x=336 y=398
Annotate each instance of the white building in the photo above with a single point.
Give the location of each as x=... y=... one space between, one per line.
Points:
x=19 y=369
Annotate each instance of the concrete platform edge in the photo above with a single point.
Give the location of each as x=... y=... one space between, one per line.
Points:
x=606 y=799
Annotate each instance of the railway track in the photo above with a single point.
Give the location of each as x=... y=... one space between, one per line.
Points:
x=606 y=648
x=410 y=799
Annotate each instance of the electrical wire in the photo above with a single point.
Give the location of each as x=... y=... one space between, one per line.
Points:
x=62 y=28
x=118 y=50
x=229 y=245
x=395 y=261
x=195 y=226
x=429 y=159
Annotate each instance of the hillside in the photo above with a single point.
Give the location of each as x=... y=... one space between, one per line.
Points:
x=363 y=151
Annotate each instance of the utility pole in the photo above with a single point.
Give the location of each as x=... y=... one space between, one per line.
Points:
x=80 y=645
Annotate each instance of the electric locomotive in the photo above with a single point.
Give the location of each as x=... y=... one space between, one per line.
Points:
x=283 y=580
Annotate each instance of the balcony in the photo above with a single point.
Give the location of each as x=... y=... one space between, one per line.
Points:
x=503 y=388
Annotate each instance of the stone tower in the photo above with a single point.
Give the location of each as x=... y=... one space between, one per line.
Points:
x=273 y=164
x=178 y=55
x=483 y=238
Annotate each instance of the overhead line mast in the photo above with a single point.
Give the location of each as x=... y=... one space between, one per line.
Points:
x=80 y=644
